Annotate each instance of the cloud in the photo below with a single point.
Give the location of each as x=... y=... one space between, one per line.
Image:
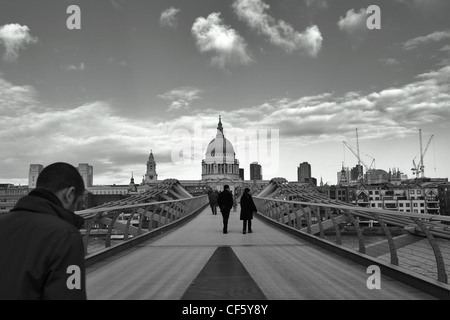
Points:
x=392 y=112
x=279 y=33
x=227 y=46
x=353 y=23
x=72 y=67
x=424 y=40
x=14 y=37
x=168 y=18
x=15 y=100
x=181 y=98
x=33 y=132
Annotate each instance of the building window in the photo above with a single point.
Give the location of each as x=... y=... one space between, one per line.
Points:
x=411 y=191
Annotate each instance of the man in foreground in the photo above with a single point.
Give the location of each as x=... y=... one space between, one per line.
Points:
x=41 y=248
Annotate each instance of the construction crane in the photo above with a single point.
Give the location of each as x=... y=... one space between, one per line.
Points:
x=357 y=155
x=420 y=167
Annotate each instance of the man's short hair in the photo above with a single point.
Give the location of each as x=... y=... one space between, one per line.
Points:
x=226 y=187
x=58 y=176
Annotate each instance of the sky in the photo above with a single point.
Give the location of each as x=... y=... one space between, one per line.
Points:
x=291 y=80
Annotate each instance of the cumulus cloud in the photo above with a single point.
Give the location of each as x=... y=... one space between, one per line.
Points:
x=424 y=40
x=181 y=98
x=15 y=100
x=14 y=37
x=33 y=132
x=226 y=45
x=278 y=32
x=354 y=22
x=169 y=18
x=395 y=111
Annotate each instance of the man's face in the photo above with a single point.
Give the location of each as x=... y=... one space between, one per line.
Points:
x=79 y=203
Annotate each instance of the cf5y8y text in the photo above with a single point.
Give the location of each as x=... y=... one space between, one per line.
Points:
x=231 y=309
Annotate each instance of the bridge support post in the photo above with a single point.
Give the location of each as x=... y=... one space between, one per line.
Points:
x=362 y=247
x=390 y=239
x=336 y=228
x=442 y=275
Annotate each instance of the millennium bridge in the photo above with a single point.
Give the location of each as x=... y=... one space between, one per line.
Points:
x=165 y=244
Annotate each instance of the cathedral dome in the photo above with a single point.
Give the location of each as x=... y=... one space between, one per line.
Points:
x=220 y=163
x=220 y=149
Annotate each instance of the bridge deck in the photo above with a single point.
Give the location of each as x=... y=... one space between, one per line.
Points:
x=186 y=264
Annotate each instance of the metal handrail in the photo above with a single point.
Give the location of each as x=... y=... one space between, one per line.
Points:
x=154 y=214
x=298 y=213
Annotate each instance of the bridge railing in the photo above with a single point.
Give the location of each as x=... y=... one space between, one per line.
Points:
x=316 y=217
x=104 y=227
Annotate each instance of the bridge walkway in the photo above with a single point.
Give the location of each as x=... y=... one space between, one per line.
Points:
x=197 y=261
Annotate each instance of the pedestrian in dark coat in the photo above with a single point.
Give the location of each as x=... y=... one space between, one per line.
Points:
x=247 y=209
x=225 y=202
x=41 y=248
x=212 y=197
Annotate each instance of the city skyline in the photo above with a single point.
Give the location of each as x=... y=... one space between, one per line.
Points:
x=148 y=75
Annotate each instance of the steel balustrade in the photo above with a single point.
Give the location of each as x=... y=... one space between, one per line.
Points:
x=306 y=217
x=151 y=216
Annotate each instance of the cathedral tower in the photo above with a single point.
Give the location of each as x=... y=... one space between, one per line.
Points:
x=151 y=175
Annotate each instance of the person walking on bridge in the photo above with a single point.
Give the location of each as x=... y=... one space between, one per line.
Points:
x=41 y=248
x=225 y=202
x=212 y=197
x=247 y=209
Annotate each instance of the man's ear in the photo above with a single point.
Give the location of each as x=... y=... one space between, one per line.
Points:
x=66 y=196
x=70 y=195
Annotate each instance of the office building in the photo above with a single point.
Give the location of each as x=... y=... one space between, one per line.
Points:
x=255 y=171
x=87 y=173
x=35 y=170
x=303 y=172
